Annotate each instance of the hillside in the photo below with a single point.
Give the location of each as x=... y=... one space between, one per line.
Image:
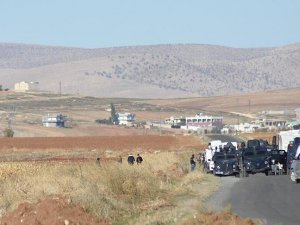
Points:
x=162 y=71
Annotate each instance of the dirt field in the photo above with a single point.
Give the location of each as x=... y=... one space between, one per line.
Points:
x=143 y=142
x=246 y=103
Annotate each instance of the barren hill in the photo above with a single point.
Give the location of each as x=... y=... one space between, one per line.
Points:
x=162 y=71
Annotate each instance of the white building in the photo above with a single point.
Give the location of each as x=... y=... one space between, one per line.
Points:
x=246 y=127
x=54 y=120
x=24 y=86
x=126 y=118
x=204 y=122
x=175 y=121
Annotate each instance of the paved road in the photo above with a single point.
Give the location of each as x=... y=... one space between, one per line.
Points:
x=273 y=199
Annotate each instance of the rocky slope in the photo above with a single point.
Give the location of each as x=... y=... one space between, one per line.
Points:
x=162 y=71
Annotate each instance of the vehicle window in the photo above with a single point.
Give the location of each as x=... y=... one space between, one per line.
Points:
x=253 y=143
x=297 y=140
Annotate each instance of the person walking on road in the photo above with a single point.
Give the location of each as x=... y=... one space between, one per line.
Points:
x=193 y=162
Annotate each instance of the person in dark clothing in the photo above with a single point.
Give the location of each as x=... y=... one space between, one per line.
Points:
x=130 y=159
x=193 y=162
x=139 y=159
x=98 y=161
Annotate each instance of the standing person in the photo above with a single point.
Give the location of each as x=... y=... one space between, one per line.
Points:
x=139 y=159
x=209 y=147
x=193 y=162
x=130 y=159
x=98 y=161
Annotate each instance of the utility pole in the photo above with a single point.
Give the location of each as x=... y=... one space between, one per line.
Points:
x=238 y=116
x=249 y=109
x=59 y=88
x=10 y=117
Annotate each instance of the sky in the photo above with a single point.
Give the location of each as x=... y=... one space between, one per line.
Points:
x=113 y=23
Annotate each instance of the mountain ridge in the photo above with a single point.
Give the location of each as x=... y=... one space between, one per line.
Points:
x=157 y=71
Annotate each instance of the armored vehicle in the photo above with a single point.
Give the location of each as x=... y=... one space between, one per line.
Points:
x=260 y=144
x=225 y=164
x=256 y=161
x=295 y=171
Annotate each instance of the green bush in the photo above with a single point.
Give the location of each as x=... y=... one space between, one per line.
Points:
x=8 y=132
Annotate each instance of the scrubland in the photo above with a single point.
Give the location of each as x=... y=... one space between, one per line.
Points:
x=124 y=194
x=161 y=190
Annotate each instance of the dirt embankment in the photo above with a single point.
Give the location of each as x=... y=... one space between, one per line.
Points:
x=50 y=211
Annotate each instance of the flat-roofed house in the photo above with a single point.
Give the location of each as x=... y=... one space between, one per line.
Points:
x=126 y=118
x=24 y=86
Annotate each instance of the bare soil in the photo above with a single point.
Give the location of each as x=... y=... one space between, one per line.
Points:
x=221 y=218
x=143 y=142
x=51 y=211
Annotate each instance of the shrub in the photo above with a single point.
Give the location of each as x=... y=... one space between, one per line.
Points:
x=8 y=132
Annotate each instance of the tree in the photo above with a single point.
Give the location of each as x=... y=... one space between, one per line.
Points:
x=114 y=116
x=8 y=132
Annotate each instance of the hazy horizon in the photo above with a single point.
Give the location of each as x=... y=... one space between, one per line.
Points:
x=107 y=24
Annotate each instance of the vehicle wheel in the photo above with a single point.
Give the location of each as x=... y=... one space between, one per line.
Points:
x=238 y=175
x=246 y=174
x=268 y=172
x=297 y=181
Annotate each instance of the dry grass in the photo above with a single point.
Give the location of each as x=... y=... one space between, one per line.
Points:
x=160 y=191
x=120 y=192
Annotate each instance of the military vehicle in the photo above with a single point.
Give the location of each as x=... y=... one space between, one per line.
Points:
x=295 y=171
x=260 y=144
x=256 y=161
x=292 y=151
x=225 y=164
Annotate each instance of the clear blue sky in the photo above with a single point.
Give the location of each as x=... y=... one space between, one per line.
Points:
x=111 y=23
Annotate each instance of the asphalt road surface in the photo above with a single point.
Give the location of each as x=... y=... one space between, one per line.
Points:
x=273 y=199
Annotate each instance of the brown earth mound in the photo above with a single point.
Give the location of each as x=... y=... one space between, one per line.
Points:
x=50 y=212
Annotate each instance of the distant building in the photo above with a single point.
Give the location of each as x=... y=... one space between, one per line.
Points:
x=126 y=118
x=24 y=86
x=245 y=127
x=175 y=121
x=271 y=123
x=54 y=120
x=204 y=122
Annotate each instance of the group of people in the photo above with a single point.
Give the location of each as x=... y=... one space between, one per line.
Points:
x=131 y=159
